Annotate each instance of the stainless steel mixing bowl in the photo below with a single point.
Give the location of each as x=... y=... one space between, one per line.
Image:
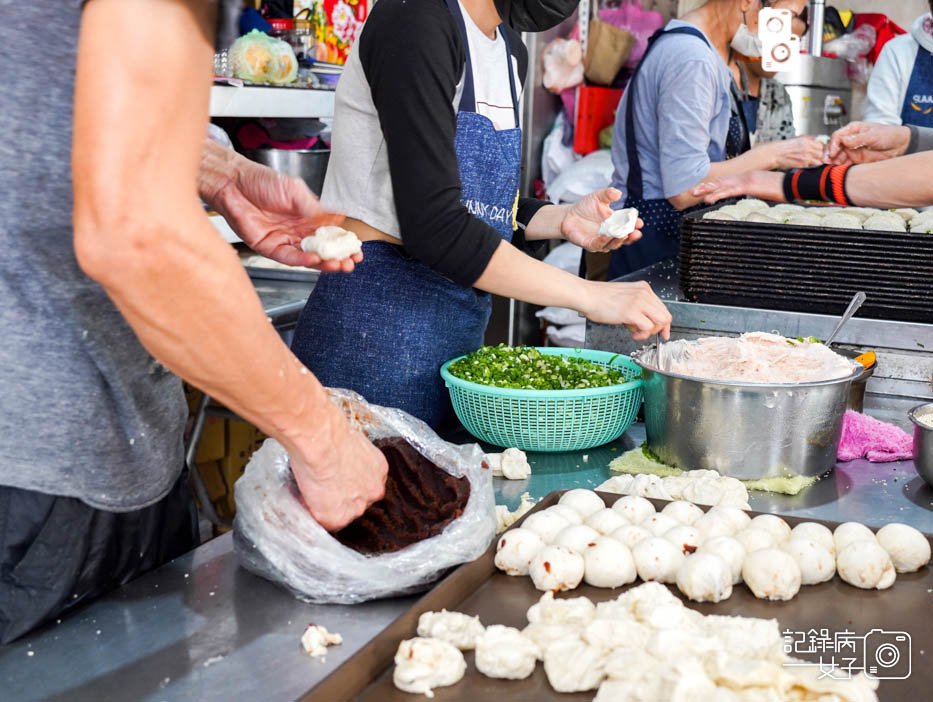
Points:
x=744 y=430
x=923 y=441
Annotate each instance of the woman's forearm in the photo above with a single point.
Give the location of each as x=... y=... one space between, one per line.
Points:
x=757 y=159
x=546 y=223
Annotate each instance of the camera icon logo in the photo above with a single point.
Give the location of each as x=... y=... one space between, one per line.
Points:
x=887 y=655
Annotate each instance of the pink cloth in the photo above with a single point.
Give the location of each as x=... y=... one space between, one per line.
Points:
x=867 y=437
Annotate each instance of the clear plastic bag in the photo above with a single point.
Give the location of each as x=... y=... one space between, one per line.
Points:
x=277 y=538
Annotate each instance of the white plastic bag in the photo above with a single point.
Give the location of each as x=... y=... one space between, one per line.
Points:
x=579 y=179
x=277 y=538
x=566 y=257
x=555 y=155
x=572 y=336
x=560 y=316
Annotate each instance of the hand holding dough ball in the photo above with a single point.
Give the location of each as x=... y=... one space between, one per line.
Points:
x=606 y=521
x=609 y=564
x=682 y=512
x=577 y=538
x=546 y=524
x=815 y=532
x=730 y=550
x=516 y=549
x=424 y=664
x=849 y=532
x=866 y=565
x=556 y=569
x=774 y=525
x=332 y=243
x=771 y=574
x=586 y=503
x=817 y=565
x=908 y=548
x=705 y=577
x=634 y=508
x=630 y=535
x=620 y=224
x=657 y=559
x=502 y=652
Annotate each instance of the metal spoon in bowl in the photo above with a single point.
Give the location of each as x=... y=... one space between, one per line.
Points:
x=857 y=300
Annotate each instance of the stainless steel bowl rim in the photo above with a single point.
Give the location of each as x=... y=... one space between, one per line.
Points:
x=914 y=415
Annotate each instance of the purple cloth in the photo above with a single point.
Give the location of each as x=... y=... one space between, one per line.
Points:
x=867 y=437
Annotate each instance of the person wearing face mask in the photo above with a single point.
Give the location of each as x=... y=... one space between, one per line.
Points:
x=680 y=123
x=425 y=165
x=900 y=90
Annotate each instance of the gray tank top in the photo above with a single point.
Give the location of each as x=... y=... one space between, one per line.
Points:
x=84 y=410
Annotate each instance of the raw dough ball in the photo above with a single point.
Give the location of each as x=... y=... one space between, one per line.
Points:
x=620 y=224
x=502 y=652
x=423 y=664
x=815 y=532
x=506 y=518
x=316 y=639
x=646 y=485
x=683 y=512
x=543 y=634
x=568 y=513
x=804 y=219
x=630 y=535
x=634 y=508
x=657 y=559
x=754 y=539
x=572 y=665
x=546 y=524
x=752 y=204
x=817 y=565
x=866 y=564
x=577 y=538
x=516 y=549
x=774 y=525
x=906 y=213
x=659 y=524
x=730 y=550
x=720 y=216
x=686 y=538
x=606 y=521
x=762 y=218
x=712 y=525
x=556 y=568
x=608 y=564
x=705 y=577
x=572 y=611
x=616 y=633
x=908 y=548
x=455 y=628
x=885 y=222
x=737 y=517
x=842 y=220
x=849 y=532
x=771 y=574
x=332 y=243
x=511 y=464
x=586 y=503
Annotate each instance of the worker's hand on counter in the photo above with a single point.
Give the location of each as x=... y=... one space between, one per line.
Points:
x=799 y=152
x=341 y=474
x=761 y=184
x=633 y=305
x=865 y=142
x=582 y=220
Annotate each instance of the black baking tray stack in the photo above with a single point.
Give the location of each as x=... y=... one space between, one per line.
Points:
x=806 y=269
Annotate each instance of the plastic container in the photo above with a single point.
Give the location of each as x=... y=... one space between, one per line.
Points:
x=595 y=110
x=549 y=420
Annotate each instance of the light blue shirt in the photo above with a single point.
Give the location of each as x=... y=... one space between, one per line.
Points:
x=682 y=110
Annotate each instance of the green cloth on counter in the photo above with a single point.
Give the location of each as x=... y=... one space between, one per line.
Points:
x=642 y=461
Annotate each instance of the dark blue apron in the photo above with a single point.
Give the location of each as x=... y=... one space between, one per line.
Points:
x=917 y=109
x=386 y=329
x=662 y=220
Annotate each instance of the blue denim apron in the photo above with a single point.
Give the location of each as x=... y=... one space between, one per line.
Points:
x=662 y=220
x=917 y=109
x=386 y=329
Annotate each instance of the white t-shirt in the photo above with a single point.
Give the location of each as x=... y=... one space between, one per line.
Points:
x=887 y=87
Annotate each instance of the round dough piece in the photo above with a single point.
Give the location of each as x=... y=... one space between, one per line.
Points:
x=771 y=574
x=657 y=559
x=763 y=218
x=686 y=538
x=659 y=524
x=546 y=524
x=804 y=219
x=730 y=550
x=906 y=213
x=503 y=652
x=712 y=525
x=630 y=535
x=738 y=518
x=455 y=628
x=634 y=508
x=577 y=538
x=705 y=577
x=573 y=665
x=754 y=539
x=332 y=243
x=683 y=512
x=424 y=664
x=752 y=204
x=908 y=548
x=556 y=568
x=608 y=563
x=774 y=525
x=842 y=220
x=620 y=224
x=815 y=532
x=720 y=216
x=586 y=503
x=849 y=532
x=516 y=549
x=567 y=512
x=606 y=521
x=885 y=222
x=816 y=564
x=866 y=565
x=572 y=611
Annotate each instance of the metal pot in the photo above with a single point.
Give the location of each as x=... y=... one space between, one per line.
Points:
x=746 y=431
x=857 y=391
x=923 y=441
x=308 y=164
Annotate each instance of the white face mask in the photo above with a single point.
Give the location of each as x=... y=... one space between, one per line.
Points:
x=745 y=42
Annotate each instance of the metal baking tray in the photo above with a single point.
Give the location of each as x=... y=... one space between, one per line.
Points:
x=477 y=588
x=298 y=275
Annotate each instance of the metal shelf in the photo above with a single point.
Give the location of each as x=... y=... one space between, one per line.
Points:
x=254 y=101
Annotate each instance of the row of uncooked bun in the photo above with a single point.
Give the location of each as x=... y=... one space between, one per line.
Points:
x=868 y=218
x=704 y=553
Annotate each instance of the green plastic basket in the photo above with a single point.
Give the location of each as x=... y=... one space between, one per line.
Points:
x=549 y=420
